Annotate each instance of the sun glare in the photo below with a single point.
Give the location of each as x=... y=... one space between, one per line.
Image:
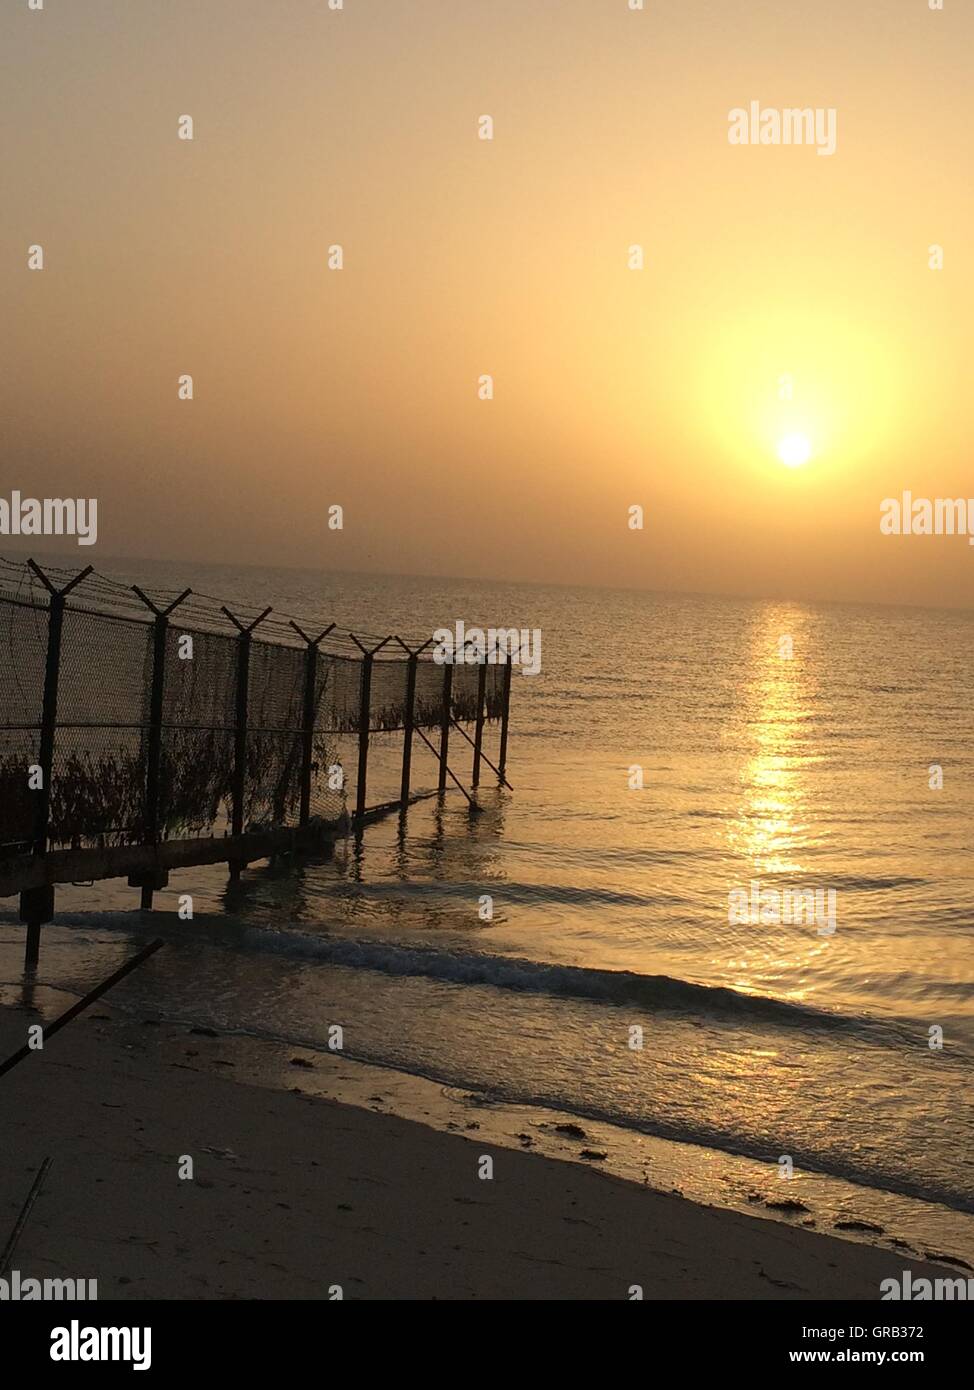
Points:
x=794 y=450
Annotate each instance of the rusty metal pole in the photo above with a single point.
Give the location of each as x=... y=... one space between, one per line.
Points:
x=309 y=715
x=244 y=642
x=408 y=717
x=365 y=710
x=365 y=706
x=479 y=726
x=505 y=718
x=160 y=633
x=407 y=727
x=37 y=904
x=445 y=723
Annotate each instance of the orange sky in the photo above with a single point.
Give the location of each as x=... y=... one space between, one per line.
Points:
x=612 y=387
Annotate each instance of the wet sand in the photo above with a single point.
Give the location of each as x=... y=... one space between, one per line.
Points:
x=293 y=1196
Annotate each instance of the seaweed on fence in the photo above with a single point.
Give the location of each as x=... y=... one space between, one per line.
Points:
x=102 y=792
x=494 y=703
x=195 y=780
x=16 y=802
x=273 y=777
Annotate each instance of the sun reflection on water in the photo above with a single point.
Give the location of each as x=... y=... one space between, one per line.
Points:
x=769 y=831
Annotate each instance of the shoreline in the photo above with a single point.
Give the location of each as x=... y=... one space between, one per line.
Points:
x=454 y=1099
x=294 y=1193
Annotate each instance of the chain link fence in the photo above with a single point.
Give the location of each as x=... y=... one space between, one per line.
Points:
x=176 y=718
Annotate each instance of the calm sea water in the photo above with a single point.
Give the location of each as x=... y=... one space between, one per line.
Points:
x=610 y=902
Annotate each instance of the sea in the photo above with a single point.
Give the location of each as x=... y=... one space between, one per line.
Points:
x=608 y=961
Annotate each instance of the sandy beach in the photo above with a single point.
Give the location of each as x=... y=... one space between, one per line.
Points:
x=293 y=1196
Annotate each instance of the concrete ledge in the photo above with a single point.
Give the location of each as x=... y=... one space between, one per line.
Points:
x=81 y=865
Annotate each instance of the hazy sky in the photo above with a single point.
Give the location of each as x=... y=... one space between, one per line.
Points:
x=463 y=256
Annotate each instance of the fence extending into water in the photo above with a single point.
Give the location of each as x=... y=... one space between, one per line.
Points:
x=139 y=732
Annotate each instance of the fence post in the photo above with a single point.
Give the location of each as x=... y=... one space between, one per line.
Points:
x=505 y=717
x=365 y=705
x=309 y=715
x=152 y=880
x=240 y=726
x=445 y=722
x=412 y=666
x=479 y=727
x=37 y=904
x=364 y=712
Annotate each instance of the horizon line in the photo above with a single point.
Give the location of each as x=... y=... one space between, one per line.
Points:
x=130 y=561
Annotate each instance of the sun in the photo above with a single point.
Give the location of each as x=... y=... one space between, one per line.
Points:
x=794 y=450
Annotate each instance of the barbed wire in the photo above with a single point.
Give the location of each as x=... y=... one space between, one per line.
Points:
x=99 y=593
